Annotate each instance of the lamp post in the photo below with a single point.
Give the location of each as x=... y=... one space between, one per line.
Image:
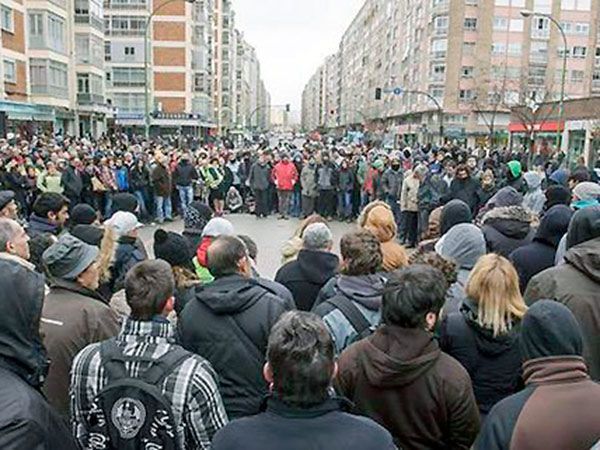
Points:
x=561 y=109
x=146 y=66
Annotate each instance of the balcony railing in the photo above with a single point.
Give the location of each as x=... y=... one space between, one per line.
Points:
x=89 y=99
x=120 y=5
x=94 y=21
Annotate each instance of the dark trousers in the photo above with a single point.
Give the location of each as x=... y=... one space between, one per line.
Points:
x=308 y=205
x=410 y=220
x=261 y=198
x=284 y=202
x=327 y=203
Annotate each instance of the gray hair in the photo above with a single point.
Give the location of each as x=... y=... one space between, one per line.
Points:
x=317 y=236
x=8 y=231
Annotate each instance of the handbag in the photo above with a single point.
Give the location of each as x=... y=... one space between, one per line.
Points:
x=97 y=185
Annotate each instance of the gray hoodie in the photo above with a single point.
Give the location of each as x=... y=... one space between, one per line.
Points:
x=534 y=199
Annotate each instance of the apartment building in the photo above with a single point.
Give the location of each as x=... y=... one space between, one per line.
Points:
x=476 y=58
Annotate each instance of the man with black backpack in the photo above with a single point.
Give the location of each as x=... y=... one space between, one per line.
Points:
x=350 y=304
x=141 y=390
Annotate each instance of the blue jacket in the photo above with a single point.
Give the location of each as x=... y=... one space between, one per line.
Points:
x=122 y=177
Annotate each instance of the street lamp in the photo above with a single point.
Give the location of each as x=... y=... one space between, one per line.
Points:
x=146 y=66
x=561 y=112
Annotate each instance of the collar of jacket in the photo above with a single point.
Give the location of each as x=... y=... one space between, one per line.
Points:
x=157 y=329
x=75 y=287
x=555 y=369
x=273 y=404
x=17 y=259
x=42 y=224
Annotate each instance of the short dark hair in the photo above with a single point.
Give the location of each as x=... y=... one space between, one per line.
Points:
x=361 y=252
x=301 y=356
x=148 y=286
x=411 y=293
x=49 y=202
x=250 y=245
x=463 y=168
x=223 y=255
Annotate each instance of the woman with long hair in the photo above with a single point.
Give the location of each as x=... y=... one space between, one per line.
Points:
x=483 y=335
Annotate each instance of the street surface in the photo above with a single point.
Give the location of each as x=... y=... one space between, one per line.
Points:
x=269 y=234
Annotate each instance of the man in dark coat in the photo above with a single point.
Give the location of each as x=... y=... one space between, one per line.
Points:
x=72 y=182
x=228 y=323
x=465 y=188
x=576 y=283
x=558 y=409
x=313 y=268
x=161 y=180
x=537 y=256
x=300 y=413
x=259 y=181
x=399 y=377
x=507 y=228
x=50 y=214
x=27 y=421
x=453 y=213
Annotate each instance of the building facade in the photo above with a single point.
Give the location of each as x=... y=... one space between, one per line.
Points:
x=476 y=58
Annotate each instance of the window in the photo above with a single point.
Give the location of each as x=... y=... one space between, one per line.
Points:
x=437 y=92
x=500 y=23
x=513 y=3
x=467 y=72
x=468 y=48
x=440 y=24
x=470 y=24
x=576 y=5
x=582 y=29
x=542 y=6
x=56 y=33
x=127 y=26
x=438 y=72
x=514 y=49
x=83 y=83
x=498 y=48
x=36 y=30
x=128 y=76
x=128 y=102
x=516 y=25
x=465 y=95
x=439 y=47
x=7 y=19
x=579 y=52
x=82 y=49
x=48 y=77
x=539 y=51
x=577 y=76
x=10 y=71
x=129 y=51
x=107 y=51
x=540 y=27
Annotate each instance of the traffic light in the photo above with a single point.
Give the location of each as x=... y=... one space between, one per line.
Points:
x=377 y=93
x=287 y=108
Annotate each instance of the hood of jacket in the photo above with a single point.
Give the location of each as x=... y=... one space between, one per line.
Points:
x=21 y=347
x=533 y=180
x=554 y=225
x=395 y=356
x=366 y=290
x=584 y=226
x=377 y=217
x=231 y=294
x=316 y=266
x=463 y=244
x=560 y=176
x=586 y=259
x=507 y=196
x=511 y=221
x=486 y=342
x=550 y=329
x=453 y=213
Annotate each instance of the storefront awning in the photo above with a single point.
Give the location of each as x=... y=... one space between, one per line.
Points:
x=519 y=127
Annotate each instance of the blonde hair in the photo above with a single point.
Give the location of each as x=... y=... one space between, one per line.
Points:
x=494 y=286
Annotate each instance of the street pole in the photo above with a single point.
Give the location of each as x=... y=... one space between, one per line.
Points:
x=439 y=108
x=146 y=65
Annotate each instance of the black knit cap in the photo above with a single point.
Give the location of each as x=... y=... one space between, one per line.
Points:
x=83 y=214
x=172 y=248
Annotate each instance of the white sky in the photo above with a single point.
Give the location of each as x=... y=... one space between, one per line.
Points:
x=292 y=38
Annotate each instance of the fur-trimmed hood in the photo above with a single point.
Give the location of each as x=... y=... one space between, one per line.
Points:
x=511 y=221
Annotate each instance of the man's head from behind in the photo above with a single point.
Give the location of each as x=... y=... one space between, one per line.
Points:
x=361 y=253
x=228 y=255
x=300 y=359
x=52 y=207
x=13 y=239
x=149 y=289
x=317 y=237
x=413 y=297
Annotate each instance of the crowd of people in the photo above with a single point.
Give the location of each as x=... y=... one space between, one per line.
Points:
x=462 y=311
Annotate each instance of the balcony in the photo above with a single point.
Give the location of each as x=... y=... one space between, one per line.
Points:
x=596 y=85
x=440 y=32
x=89 y=99
x=439 y=6
x=91 y=20
x=438 y=54
x=122 y=5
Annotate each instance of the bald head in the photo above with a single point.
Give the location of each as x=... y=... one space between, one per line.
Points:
x=227 y=255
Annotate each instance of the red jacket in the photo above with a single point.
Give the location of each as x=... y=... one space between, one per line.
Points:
x=285 y=176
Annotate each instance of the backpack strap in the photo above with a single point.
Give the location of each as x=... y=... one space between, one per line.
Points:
x=165 y=365
x=351 y=312
x=112 y=360
x=251 y=347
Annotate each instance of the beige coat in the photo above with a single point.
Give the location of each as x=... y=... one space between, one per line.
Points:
x=409 y=197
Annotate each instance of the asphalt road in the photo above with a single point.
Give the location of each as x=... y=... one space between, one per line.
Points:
x=269 y=234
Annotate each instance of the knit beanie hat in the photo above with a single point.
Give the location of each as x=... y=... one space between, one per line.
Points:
x=196 y=217
x=124 y=201
x=172 y=248
x=515 y=168
x=83 y=214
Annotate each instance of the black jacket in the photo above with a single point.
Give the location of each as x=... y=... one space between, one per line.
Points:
x=466 y=190
x=260 y=176
x=324 y=427
x=539 y=255
x=139 y=178
x=305 y=276
x=453 y=213
x=185 y=174
x=494 y=363
x=228 y=323
x=506 y=229
x=72 y=182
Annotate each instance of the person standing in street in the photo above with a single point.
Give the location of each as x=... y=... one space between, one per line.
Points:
x=184 y=176
x=161 y=180
x=409 y=204
x=285 y=176
x=258 y=181
x=327 y=185
x=308 y=179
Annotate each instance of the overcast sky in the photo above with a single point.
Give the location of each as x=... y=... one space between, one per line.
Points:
x=292 y=37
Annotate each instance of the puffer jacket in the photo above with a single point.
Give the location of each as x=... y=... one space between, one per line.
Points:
x=576 y=284
x=365 y=292
x=507 y=228
x=493 y=362
x=228 y=323
x=285 y=176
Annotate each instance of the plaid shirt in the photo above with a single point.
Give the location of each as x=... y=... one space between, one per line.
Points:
x=191 y=389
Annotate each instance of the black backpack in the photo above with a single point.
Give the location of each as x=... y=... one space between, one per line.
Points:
x=352 y=313
x=132 y=413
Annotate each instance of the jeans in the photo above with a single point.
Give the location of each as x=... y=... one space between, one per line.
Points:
x=393 y=202
x=284 y=202
x=345 y=204
x=186 y=197
x=108 y=204
x=296 y=206
x=163 y=209
x=141 y=198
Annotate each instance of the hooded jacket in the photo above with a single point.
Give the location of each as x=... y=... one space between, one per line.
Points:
x=539 y=255
x=576 y=284
x=453 y=213
x=464 y=244
x=285 y=175
x=305 y=276
x=506 y=229
x=558 y=409
x=365 y=292
x=493 y=362
x=401 y=379
x=185 y=173
x=467 y=190
x=228 y=323
x=534 y=199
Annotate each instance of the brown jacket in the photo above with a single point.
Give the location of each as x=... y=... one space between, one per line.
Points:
x=72 y=318
x=401 y=379
x=161 y=179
